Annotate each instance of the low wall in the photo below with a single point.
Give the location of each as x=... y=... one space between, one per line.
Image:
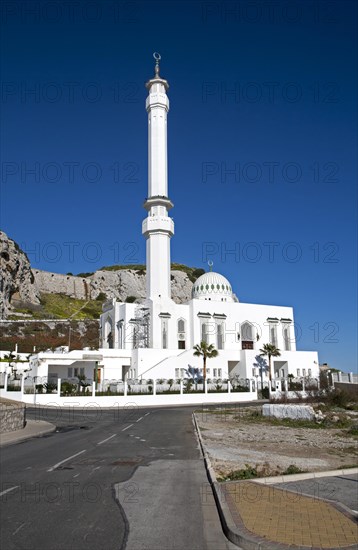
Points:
x=295 y=412
x=136 y=400
x=351 y=389
x=12 y=416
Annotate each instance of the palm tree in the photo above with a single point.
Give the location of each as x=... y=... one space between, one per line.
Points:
x=207 y=351
x=271 y=351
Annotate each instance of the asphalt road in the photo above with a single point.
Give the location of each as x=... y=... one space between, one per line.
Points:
x=132 y=478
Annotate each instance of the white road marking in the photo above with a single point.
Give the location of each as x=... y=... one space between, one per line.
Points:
x=18 y=529
x=124 y=429
x=139 y=419
x=76 y=475
x=146 y=414
x=108 y=438
x=65 y=460
x=8 y=490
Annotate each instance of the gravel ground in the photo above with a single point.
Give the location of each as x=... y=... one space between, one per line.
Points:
x=234 y=442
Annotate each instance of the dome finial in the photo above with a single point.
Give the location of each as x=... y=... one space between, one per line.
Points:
x=210 y=264
x=157 y=58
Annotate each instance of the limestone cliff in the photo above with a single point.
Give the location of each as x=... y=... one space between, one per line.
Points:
x=21 y=286
x=17 y=283
x=119 y=284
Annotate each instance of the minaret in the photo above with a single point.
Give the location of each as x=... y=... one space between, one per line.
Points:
x=158 y=227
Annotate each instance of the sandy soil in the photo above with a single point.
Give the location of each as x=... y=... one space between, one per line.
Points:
x=232 y=441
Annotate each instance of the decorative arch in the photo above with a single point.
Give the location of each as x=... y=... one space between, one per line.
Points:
x=108 y=332
x=181 y=326
x=247 y=335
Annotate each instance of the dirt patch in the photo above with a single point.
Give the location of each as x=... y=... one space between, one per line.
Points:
x=233 y=442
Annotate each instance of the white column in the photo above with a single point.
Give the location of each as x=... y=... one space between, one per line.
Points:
x=158 y=227
x=157 y=105
x=58 y=387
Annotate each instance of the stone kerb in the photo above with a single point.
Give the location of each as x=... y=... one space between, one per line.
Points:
x=294 y=412
x=12 y=416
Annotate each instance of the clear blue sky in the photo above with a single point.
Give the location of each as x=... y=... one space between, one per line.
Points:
x=262 y=145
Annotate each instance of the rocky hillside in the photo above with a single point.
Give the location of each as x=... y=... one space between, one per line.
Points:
x=48 y=334
x=33 y=293
x=119 y=283
x=17 y=282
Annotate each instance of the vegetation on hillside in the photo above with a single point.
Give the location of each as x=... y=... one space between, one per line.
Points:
x=44 y=335
x=60 y=306
x=192 y=272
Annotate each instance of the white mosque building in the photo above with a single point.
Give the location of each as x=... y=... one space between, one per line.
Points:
x=155 y=339
x=157 y=336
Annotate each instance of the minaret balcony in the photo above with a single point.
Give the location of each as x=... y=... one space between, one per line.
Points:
x=158 y=200
x=158 y=224
x=157 y=99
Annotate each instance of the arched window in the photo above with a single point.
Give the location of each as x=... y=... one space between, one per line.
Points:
x=121 y=334
x=219 y=336
x=108 y=333
x=273 y=334
x=247 y=335
x=164 y=333
x=181 y=334
x=204 y=332
x=287 y=337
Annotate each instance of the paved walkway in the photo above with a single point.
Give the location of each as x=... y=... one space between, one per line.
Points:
x=276 y=518
x=33 y=428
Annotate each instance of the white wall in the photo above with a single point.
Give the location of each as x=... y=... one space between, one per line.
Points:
x=131 y=402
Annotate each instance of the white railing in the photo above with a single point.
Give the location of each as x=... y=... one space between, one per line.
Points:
x=346 y=377
x=108 y=393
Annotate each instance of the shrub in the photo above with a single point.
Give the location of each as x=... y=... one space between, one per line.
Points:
x=240 y=388
x=265 y=393
x=249 y=472
x=292 y=469
x=353 y=430
x=67 y=388
x=50 y=387
x=338 y=398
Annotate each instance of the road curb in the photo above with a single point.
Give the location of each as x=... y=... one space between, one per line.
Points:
x=227 y=522
x=239 y=537
x=33 y=428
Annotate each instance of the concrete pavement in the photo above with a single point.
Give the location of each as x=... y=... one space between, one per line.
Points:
x=33 y=428
x=257 y=515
